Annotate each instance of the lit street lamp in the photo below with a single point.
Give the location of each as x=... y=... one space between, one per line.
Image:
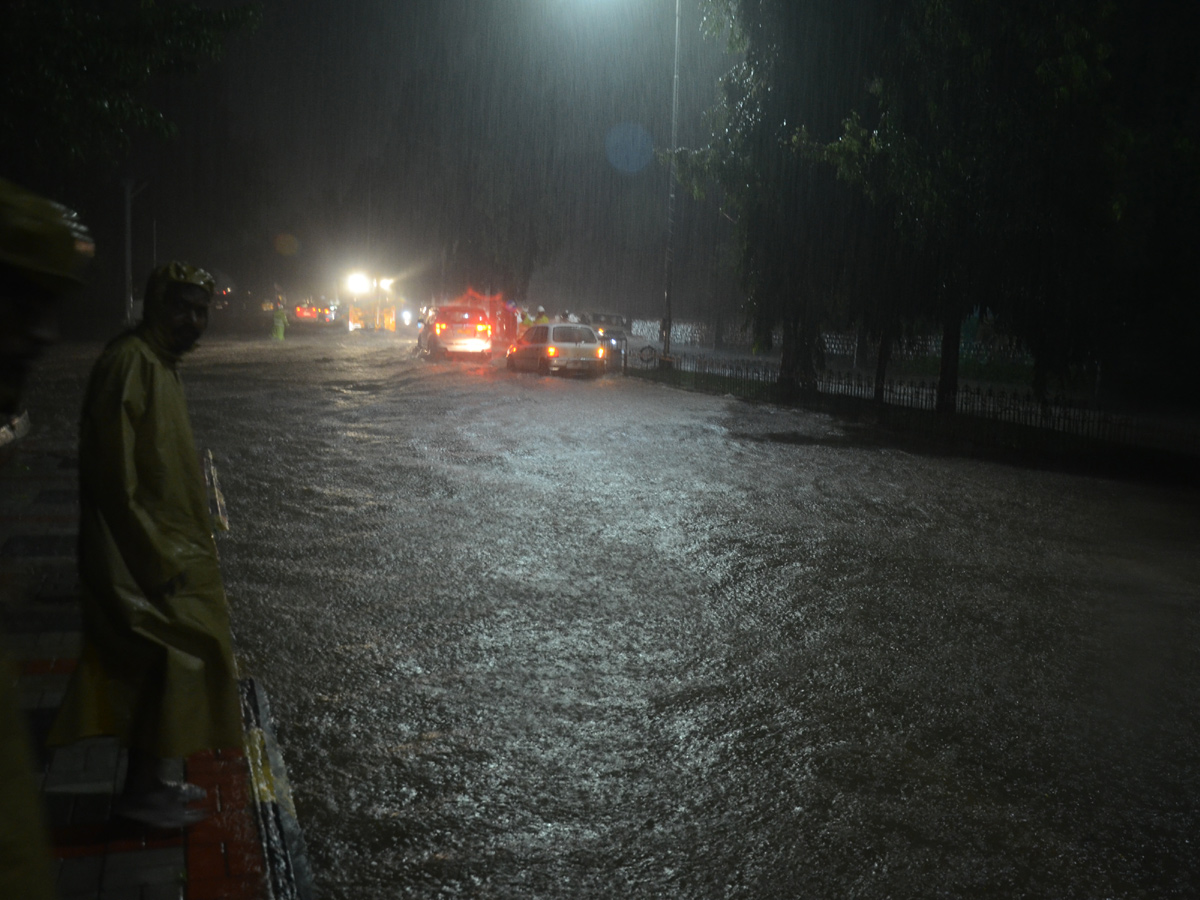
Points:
x=358 y=283
x=669 y=260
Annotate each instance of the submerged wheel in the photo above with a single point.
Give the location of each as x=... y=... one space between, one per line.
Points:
x=510 y=364
x=543 y=367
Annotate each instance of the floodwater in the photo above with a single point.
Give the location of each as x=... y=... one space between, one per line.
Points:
x=546 y=638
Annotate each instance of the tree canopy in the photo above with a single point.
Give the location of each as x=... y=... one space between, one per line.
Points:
x=892 y=162
x=77 y=72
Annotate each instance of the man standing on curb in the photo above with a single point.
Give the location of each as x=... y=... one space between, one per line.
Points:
x=43 y=249
x=156 y=668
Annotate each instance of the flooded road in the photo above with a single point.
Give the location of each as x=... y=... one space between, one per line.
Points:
x=542 y=638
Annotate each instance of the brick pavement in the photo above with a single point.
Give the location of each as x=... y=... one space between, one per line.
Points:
x=250 y=847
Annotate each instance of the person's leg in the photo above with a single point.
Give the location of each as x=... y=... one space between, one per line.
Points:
x=151 y=799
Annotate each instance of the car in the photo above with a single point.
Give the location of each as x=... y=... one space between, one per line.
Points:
x=613 y=330
x=557 y=347
x=452 y=330
x=314 y=312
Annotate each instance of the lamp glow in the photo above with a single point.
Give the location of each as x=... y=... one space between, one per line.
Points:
x=358 y=283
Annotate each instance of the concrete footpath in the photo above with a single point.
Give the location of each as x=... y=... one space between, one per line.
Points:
x=250 y=848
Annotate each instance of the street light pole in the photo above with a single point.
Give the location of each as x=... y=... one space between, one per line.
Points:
x=130 y=193
x=669 y=261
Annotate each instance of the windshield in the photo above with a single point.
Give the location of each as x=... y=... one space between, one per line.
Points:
x=573 y=334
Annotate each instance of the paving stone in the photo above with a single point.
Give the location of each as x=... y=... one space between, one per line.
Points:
x=57 y=582
x=206 y=862
x=39 y=545
x=41 y=691
x=57 y=497
x=59 y=644
x=103 y=754
x=28 y=619
x=72 y=758
x=23 y=645
x=85 y=767
x=124 y=892
x=162 y=866
x=80 y=876
x=60 y=809
x=91 y=809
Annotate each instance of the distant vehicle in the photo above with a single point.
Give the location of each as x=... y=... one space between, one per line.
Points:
x=613 y=331
x=558 y=347
x=370 y=315
x=313 y=312
x=453 y=330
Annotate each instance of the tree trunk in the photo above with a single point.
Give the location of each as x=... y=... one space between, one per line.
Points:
x=1040 y=377
x=790 y=363
x=861 y=348
x=947 y=390
x=881 y=362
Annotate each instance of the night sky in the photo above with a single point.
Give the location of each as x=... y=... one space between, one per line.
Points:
x=300 y=156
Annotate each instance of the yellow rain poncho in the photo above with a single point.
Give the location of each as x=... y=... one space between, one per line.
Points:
x=26 y=870
x=156 y=668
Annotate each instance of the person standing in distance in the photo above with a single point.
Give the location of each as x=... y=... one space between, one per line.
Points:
x=156 y=668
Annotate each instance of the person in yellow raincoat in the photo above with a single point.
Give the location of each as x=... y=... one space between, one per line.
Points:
x=279 y=322
x=156 y=667
x=43 y=247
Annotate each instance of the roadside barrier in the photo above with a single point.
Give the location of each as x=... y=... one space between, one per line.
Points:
x=283 y=843
x=985 y=415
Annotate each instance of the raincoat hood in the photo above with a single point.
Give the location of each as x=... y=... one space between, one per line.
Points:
x=156 y=327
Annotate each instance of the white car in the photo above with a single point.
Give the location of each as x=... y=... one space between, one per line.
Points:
x=457 y=330
x=557 y=347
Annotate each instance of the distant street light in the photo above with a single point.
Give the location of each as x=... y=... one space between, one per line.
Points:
x=664 y=330
x=130 y=193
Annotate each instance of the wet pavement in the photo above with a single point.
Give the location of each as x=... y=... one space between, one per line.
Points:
x=248 y=848
x=531 y=637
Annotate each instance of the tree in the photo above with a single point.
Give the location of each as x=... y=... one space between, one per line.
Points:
x=991 y=134
x=984 y=138
x=804 y=70
x=74 y=94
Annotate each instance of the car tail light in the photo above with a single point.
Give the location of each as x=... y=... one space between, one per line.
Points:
x=439 y=327
x=599 y=353
x=483 y=328
x=551 y=351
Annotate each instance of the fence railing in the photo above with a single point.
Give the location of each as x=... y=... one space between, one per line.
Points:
x=691 y=336
x=757 y=379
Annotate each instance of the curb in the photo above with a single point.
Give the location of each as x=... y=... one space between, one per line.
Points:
x=288 y=874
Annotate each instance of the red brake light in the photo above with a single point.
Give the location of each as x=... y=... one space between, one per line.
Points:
x=439 y=327
x=552 y=351
x=483 y=328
